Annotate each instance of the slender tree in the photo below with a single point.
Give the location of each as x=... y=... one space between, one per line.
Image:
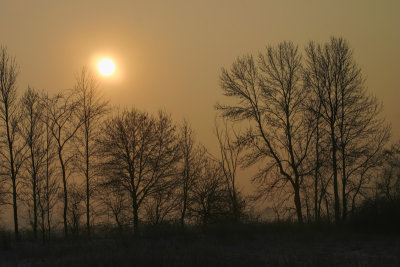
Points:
x=92 y=107
x=139 y=152
x=49 y=188
x=114 y=199
x=64 y=122
x=189 y=167
x=32 y=131
x=271 y=95
x=319 y=177
x=388 y=181
x=162 y=203
x=14 y=155
x=230 y=152
x=357 y=134
x=209 y=195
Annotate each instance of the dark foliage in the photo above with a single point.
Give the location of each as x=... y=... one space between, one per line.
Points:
x=256 y=244
x=378 y=215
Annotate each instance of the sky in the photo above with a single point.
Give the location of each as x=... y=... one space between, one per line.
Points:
x=169 y=54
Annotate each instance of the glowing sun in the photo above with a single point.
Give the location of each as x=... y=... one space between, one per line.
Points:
x=106 y=67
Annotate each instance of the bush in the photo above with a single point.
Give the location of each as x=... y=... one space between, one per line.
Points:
x=5 y=240
x=379 y=214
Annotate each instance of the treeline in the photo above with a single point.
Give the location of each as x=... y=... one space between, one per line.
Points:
x=71 y=155
x=306 y=121
x=316 y=134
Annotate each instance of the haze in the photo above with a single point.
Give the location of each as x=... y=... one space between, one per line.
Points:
x=170 y=53
x=314 y=182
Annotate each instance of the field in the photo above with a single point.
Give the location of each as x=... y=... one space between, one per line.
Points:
x=239 y=245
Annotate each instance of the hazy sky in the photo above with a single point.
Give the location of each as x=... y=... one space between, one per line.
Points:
x=169 y=54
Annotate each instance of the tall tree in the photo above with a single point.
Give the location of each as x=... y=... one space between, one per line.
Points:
x=388 y=181
x=357 y=134
x=270 y=95
x=32 y=129
x=189 y=167
x=64 y=122
x=162 y=203
x=230 y=151
x=92 y=107
x=14 y=155
x=49 y=188
x=115 y=200
x=318 y=179
x=139 y=152
x=209 y=198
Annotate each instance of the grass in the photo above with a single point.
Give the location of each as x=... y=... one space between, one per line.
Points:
x=274 y=244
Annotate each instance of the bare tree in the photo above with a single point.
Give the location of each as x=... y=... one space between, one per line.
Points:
x=14 y=155
x=3 y=190
x=352 y=117
x=323 y=78
x=190 y=167
x=363 y=136
x=76 y=207
x=32 y=131
x=162 y=203
x=209 y=199
x=48 y=189
x=388 y=184
x=47 y=192
x=319 y=177
x=115 y=200
x=64 y=122
x=139 y=152
x=271 y=95
x=230 y=152
x=92 y=108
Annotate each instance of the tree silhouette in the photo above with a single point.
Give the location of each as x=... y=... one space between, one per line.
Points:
x=64 y=122
x=48 y=189
x=209 y=197
x=91 y=108
x=352 y=117
x=32 y=129
x=190 y=168
x=230 y=151
x=139 y=152
x=271 y=96
x=10 y=117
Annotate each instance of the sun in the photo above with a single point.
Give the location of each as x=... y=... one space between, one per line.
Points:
x=106 y=67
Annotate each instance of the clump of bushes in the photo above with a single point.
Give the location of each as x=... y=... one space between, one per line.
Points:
x=380 y=214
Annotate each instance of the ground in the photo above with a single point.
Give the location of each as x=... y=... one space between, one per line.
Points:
x=215 y=246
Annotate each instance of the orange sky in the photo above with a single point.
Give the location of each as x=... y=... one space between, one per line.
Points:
x=169 y=53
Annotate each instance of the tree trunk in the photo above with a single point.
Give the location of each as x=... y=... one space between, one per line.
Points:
x=43 y=226
x=15 y=208
x=316 y=174
x=65 y=193
x=235 y=206
x=119 y=224
x=135 y=219
x=48 y=199
x=13 y=174
x=335 y=175
x=87 y=186
x=328 y=214
x=297 y=203
x=14 y=187
x=34 y=176
x=183 y=212
x=35 y=220
x=135 y=213
x=344 y=182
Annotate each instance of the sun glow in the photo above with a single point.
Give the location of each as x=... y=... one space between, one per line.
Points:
x=106 y=67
